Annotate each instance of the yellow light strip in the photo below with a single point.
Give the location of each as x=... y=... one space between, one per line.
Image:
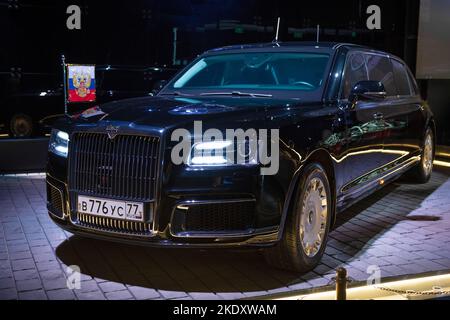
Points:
x=396 y=290
x=443 y=154
x=442 y=163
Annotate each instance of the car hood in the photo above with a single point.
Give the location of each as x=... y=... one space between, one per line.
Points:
x=165 y=113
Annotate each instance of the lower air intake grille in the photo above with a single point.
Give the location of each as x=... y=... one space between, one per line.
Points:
x=55 y=200
x=220 y=217
x=133 y=228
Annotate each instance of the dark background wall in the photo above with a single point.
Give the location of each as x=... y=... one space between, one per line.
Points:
x=438 y=96
x=140 y=32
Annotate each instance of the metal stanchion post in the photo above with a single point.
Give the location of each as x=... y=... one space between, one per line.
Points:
x=341 y=284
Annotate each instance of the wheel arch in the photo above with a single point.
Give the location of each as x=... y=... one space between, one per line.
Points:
x=324 y=159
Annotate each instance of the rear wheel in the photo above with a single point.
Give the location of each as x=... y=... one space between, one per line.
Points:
x=421 y=173
x=21 y=126
x=307 y=227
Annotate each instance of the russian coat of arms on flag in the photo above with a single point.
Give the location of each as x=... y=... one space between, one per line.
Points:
x=81 y=83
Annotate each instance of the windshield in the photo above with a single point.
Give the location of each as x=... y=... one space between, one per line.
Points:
x=257 y=72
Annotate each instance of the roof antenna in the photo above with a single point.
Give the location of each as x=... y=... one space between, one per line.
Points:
x=318 y=33
x=278 y=30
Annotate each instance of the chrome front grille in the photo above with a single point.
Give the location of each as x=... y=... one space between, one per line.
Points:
x=134 y=228
x=125 y=167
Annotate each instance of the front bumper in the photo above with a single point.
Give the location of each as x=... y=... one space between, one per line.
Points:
x=263 y=238
x=172 y=234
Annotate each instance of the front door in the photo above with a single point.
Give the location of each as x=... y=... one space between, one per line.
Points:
x=366 y=125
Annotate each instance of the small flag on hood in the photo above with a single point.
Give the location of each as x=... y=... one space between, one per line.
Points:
x=81 y=83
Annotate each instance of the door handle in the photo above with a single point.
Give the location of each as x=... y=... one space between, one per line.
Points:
x=378 y=116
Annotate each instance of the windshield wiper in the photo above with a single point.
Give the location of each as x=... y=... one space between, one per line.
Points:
x=238 y=94
x=176 y=93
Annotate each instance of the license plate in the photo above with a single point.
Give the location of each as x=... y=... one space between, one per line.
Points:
x=107 y=208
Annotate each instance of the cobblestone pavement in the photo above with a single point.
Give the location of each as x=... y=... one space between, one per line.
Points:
x=404 y=229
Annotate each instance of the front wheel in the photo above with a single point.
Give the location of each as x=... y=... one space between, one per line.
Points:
x=307 y=227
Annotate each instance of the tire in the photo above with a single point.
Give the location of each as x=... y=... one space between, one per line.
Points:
x=421 y=173
x=21 y=126
x=294 y=251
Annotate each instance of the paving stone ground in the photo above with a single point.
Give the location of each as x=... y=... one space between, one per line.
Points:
x=404 y=229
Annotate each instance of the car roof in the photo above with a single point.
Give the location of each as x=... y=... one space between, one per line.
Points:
x=307 y=46
x=284 y=45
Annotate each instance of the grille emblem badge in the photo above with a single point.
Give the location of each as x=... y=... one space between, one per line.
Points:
x=112 y=131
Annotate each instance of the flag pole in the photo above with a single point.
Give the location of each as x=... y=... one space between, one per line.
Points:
x=63 y=62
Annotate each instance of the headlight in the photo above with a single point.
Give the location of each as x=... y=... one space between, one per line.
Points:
x=222 y=153
x=59 y=143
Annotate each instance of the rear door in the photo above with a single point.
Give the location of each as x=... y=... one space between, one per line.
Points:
x=404 y=116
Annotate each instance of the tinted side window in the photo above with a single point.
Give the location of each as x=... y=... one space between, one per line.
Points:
x=355 y=71
x=380 y=69
x=401 y=78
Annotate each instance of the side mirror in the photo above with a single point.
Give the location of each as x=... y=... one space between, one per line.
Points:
x=367 y=91
x=158 y=86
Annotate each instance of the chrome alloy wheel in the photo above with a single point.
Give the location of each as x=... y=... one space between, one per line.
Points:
x=313 y=219
x=427 y=161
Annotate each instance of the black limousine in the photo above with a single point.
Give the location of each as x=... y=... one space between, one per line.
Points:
x=344 y=120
